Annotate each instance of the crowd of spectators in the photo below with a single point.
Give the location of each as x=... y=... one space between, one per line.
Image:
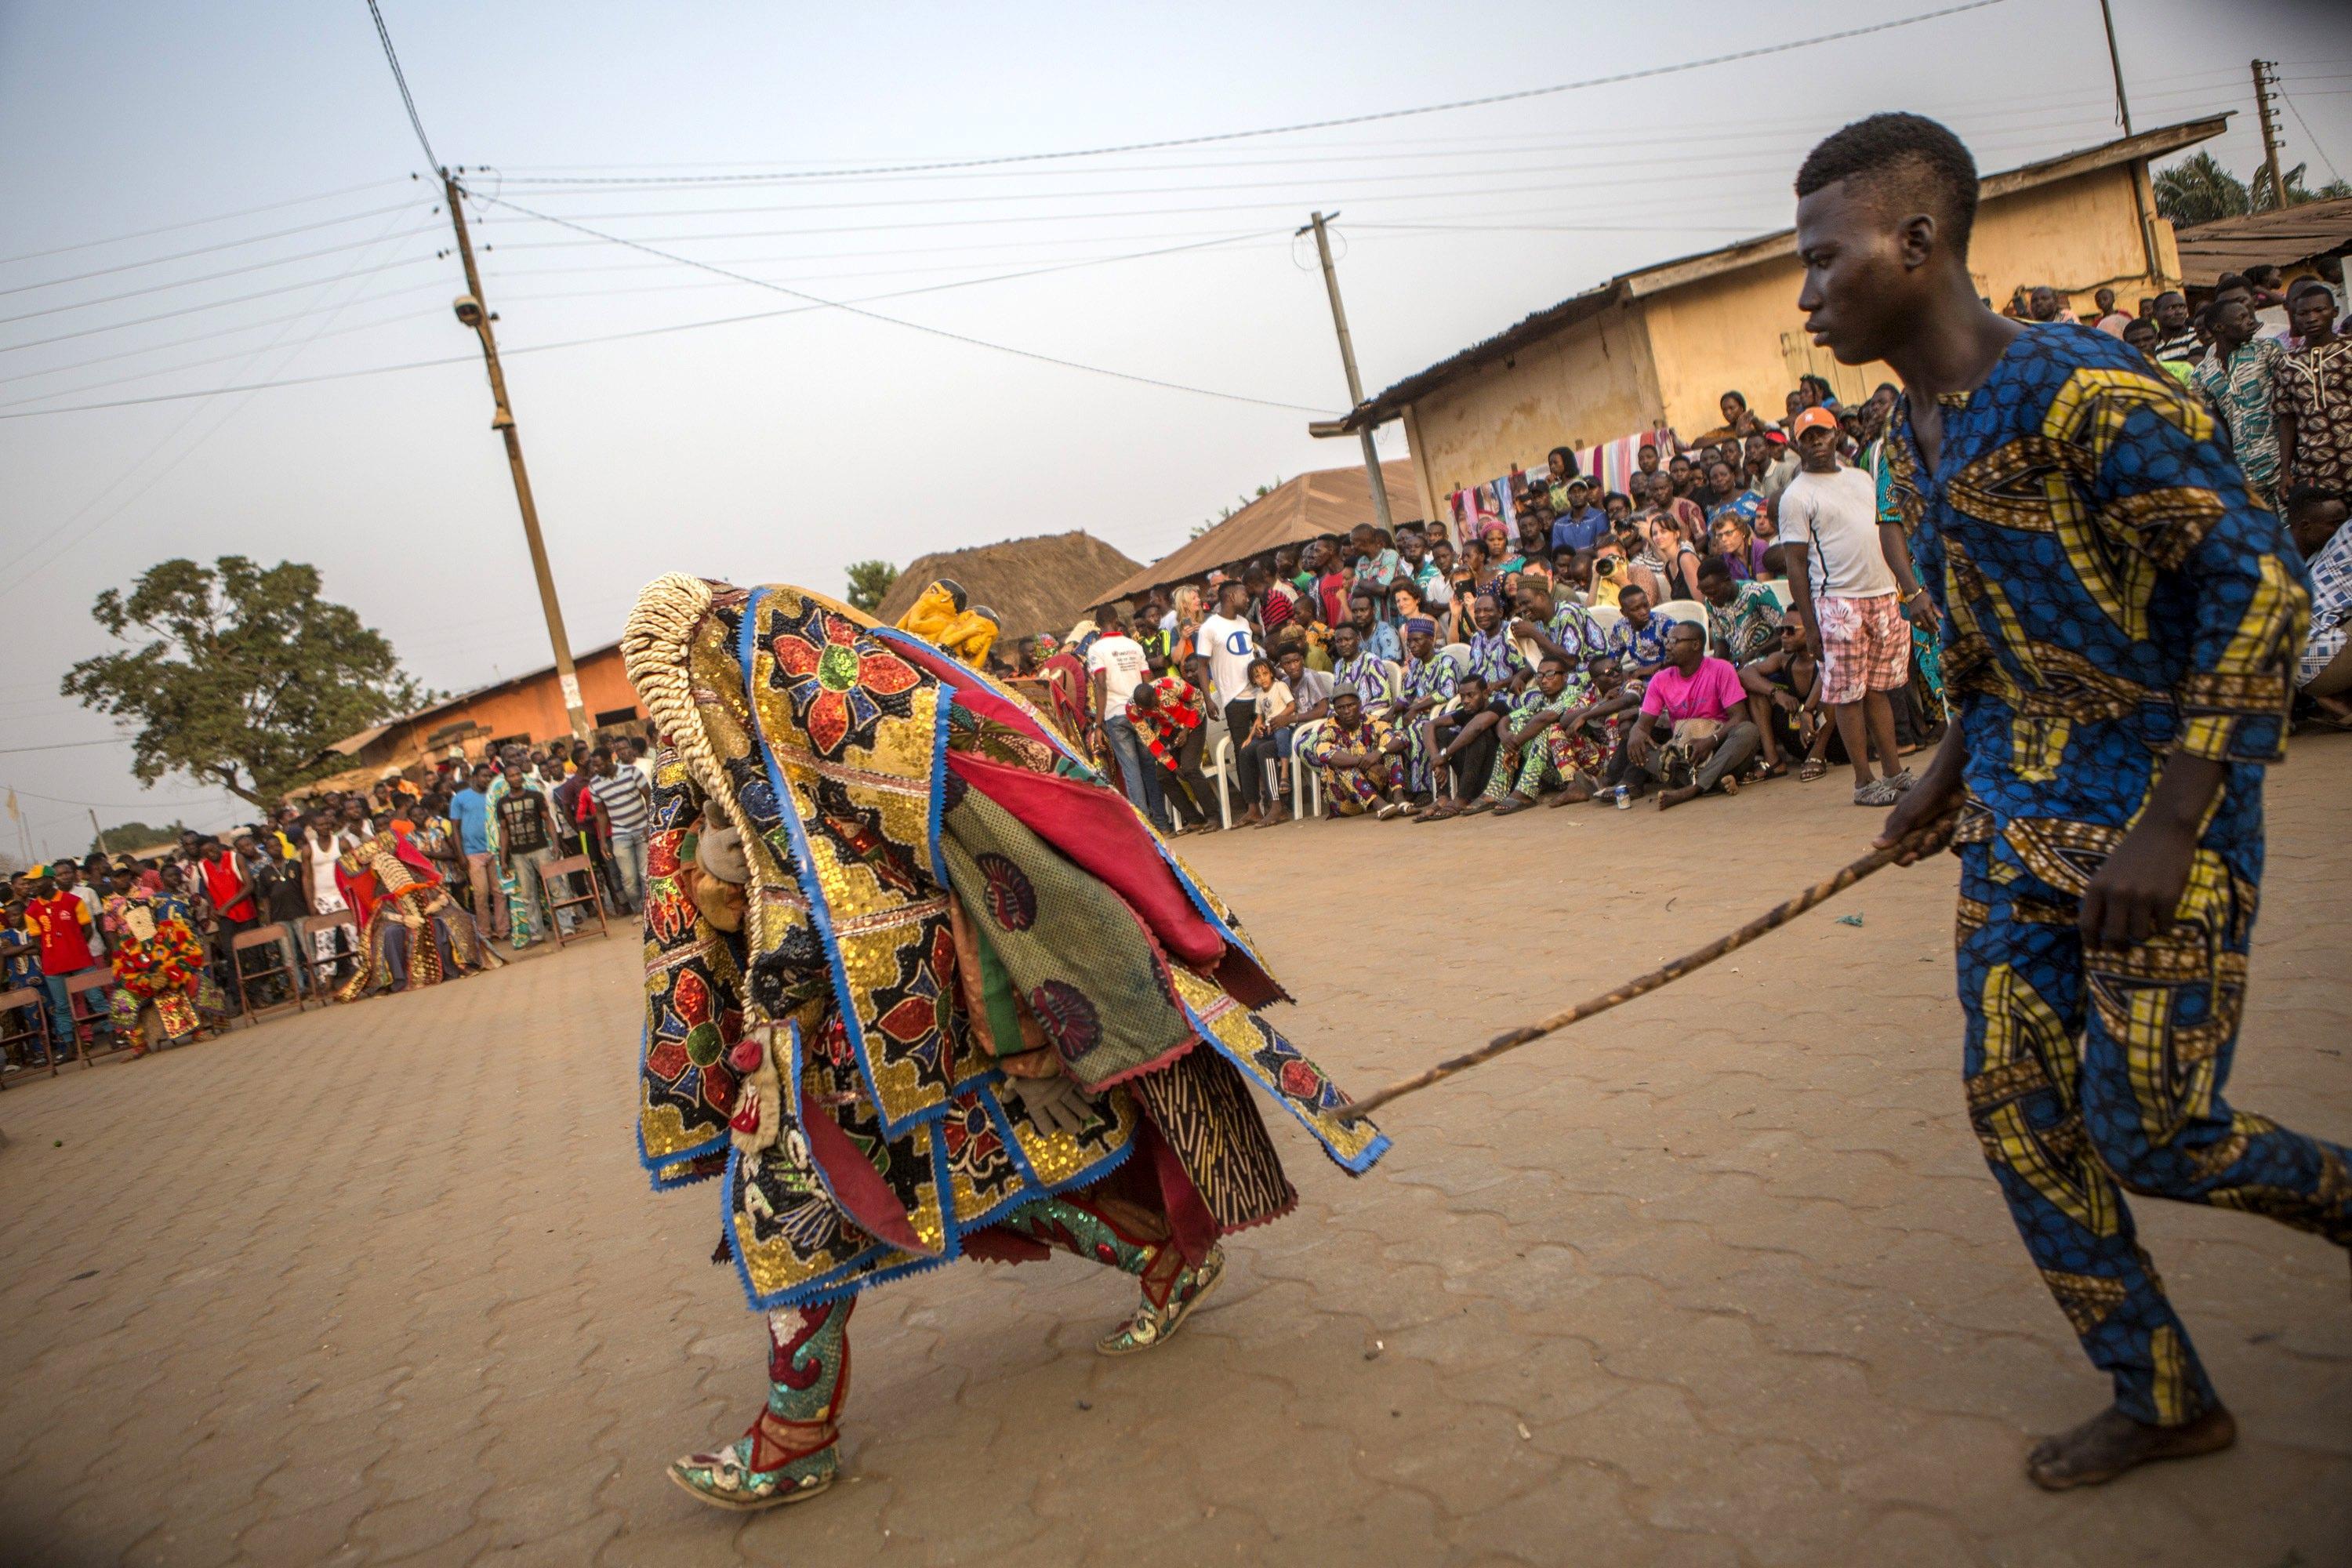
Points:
x=1744 y=608
x=561 y=801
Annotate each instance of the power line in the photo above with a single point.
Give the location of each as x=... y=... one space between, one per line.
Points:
x=204 y=250
x=1645 y=73
x=217 y=332
x=2307 y=136
x=910 y=326
x=65 y=745
x=216 y=276
x=198 y=222
x=194 y=310
x=400 y=78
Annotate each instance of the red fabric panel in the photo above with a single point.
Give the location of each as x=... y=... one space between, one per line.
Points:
x=1102 y=836
x=1189 y=1225
x=859 y=1187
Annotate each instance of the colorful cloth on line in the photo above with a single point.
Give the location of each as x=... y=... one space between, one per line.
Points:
x=822 y=1039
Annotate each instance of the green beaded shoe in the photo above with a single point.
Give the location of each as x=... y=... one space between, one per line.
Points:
x=726 y=1479
x=1153 y=1325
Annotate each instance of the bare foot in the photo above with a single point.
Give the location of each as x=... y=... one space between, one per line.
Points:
x=1515 y=804
x=2111 y=1442
x=1672 y=798
x=1574 y=795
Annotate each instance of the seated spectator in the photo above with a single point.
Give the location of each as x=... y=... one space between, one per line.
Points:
x=1784 y=702
x=2324 y=673
x=1493 y=652
x=1666 y=567
x=1742 y=618
x=1582 y=524
x=1638 y=642
x=1428 y=685
x=1264 y=742
x=1350 y=755
x=1543 y=744
x=1737 y=546
x=1462 y=730
x=1167 y=713
x=1354 y=664
x=1694 y=734
x=1377 y=565
x=1609 y=577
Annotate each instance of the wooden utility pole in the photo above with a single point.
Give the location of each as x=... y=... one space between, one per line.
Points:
x=2116 y=64
x=1347 y=362
x=2266 y=84
x=475 y=313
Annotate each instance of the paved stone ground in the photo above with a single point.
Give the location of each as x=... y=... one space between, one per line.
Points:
x=1721 y=1280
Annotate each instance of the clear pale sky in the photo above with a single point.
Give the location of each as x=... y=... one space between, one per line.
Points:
x=781 y=449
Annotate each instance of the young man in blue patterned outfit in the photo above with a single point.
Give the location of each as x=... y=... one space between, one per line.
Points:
x=2121 y=616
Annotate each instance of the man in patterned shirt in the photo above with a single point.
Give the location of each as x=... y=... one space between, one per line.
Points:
x=1353 y=664
x=1429 y=682
x=2121 y=618
x=1743 y=618
x=1639 y=641
x=2314 y=396
x=2239 y=376
x=1351 y=756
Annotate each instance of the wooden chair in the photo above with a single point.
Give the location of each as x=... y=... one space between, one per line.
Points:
x=28 y=999
x=88 y=1015
x=323 y=985
x=273 y=938
x=554 y=874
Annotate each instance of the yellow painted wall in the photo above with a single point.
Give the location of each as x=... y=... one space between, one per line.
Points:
x=1593 y=382
x=1676 y=351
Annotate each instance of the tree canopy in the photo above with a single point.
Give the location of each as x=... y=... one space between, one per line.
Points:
x=2199 y=190
x=868 y=581
x=239 y=674
x=135 y=836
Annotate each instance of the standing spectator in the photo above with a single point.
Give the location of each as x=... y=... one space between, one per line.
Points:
x=1274 y=602
x=1115 y=665
x=2043 y=306
x=1848 y=599
x=2176 y=332
x=522 y=839
x=1377 y=564
x=20 y=965
x=627 y=806
x=1560 y=467
x=1168 y=717
x=1222 y=651
x=69 y=880
x=470 y=808
x=60 y=924
x=277 y=895
x=2110 y=320
x=230 y=888
x=2239 y=377
x=2141 y=334
x=641 y=758
x=2324 y=669
x=2314 y=397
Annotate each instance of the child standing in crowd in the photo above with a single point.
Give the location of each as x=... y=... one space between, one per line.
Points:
x=1271 y=698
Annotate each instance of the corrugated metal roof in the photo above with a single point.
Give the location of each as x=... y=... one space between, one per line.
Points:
x=1328 y=501
x=2281 y=238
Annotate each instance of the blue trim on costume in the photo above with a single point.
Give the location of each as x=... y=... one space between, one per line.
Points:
x=805 y=870
x=1356 y=1167
x=935 y=815
x=1183 y=878
x=1031 y=1188
x=654 y=1167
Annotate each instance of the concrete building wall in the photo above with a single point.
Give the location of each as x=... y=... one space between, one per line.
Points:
x=2075 y=235
x=1739 y=332
x=1592 y=382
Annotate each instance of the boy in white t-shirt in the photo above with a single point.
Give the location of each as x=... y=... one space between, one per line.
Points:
x=1847 y=597
x=1222 y=651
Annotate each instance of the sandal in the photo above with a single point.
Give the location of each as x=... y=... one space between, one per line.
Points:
x=1516 y=804
x=1810 y=769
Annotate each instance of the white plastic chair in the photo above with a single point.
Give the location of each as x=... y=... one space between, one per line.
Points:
x=1304 y=782
x=1607 y=617
x=1459 y=652
x=1689 y=610
x=1778 y=589
x=1222 y=770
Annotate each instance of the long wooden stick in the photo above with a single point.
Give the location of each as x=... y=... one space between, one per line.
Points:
x=1920 y=843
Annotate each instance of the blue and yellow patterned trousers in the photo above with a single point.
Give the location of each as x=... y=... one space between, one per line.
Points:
x=2094 y=1071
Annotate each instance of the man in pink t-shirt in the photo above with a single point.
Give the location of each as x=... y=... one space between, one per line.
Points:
x=1693 y=719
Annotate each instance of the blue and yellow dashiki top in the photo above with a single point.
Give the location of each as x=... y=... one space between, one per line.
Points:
x=2110 y=591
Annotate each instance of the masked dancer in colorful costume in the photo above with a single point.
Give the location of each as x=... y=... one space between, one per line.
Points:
x=416 y=935
x=159 y=969
x=921 y=986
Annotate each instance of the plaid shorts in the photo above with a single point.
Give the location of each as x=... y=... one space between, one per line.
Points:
x=1866 y=646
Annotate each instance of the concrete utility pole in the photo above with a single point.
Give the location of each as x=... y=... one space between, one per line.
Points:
x=2266 y=84
x=2116 y=64
x=475 y=314
x=1347 y=360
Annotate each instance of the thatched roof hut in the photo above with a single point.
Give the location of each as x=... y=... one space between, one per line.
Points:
x=1041 y=584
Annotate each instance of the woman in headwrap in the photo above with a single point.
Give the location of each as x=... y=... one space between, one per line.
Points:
x=922 y=986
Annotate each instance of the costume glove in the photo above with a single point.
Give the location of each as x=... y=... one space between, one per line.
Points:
x=720 y=852
x=1056 y=1104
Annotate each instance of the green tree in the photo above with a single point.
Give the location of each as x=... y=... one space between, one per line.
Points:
x=868 y=581
x=135 y=836
x=1224 y=512
x=245 y=675
x=2199 y=190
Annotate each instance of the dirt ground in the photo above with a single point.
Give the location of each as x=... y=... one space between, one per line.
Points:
x=1721 y=1280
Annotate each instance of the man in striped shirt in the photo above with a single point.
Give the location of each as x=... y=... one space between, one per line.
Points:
x=627 y=802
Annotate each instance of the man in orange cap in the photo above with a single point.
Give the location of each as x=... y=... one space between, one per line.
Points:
x=1847 y=597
